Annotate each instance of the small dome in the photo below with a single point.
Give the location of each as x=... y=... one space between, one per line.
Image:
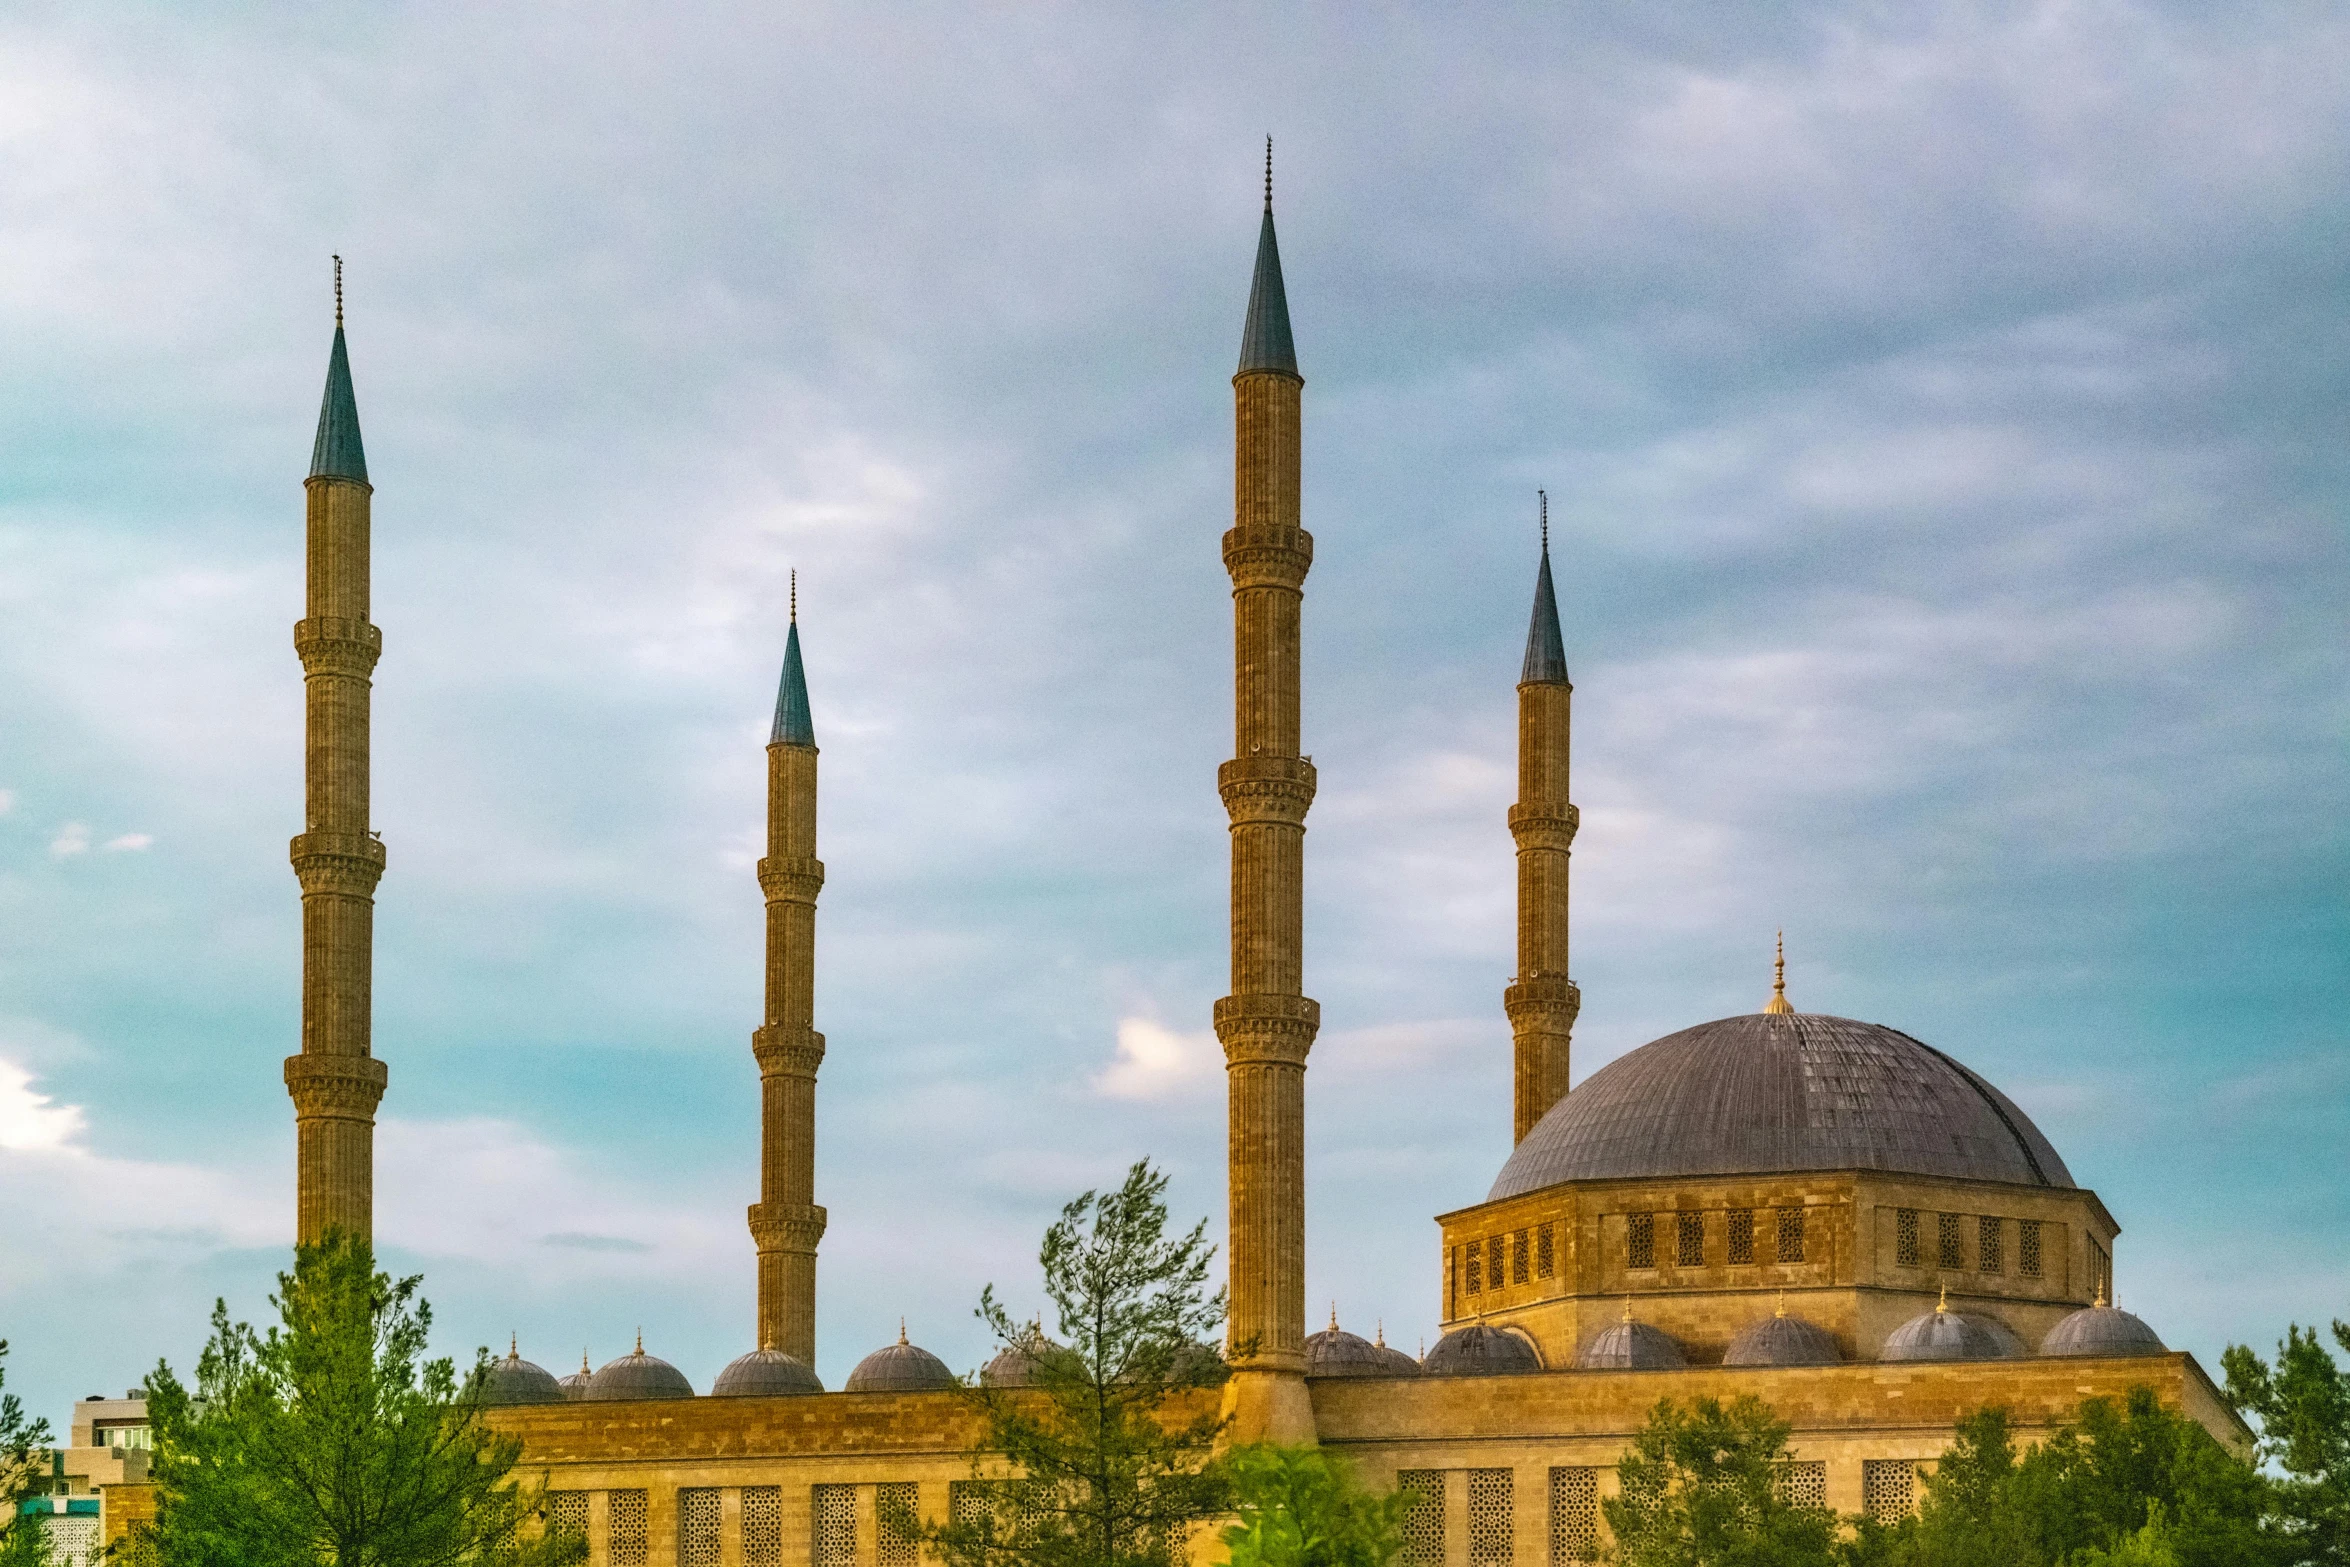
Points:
x=1480 y=1351
x=1943 y=1334
x=2101 y=1330
x=1631 y=1346
x=1334 y=1352
x=765 y=1373
x=575 y=1386
x=899 y=1368
x=1395 y=1362
x=1782 y=1340
x=1015 y=1365
x=638 y=1375
x=515 y=1380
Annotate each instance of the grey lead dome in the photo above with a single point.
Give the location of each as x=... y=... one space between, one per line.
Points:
x=1796 y=1091
x=766 y=1373
x=2101 y=1331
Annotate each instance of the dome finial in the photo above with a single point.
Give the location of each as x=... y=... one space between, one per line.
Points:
x=1782 y=1306
x=1942 y=1305
x=583 y=1361
x=901 y=1330
x=1627 y=1308
x=1379 y=1334
x=513 y=1346
x=1334 y=1316
x=2100 y=1301
x=1778 y=1005
x=640 y=1341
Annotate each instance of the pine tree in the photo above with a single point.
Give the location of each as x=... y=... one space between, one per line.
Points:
x=24 y=1453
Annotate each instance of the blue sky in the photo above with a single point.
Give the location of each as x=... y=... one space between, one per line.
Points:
x=1942 y=413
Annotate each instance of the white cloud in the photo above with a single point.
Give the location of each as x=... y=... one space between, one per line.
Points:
x=31 y=1120
x=1155 y=1062
x=7 y=801
x=72 y=838
x=129 y=841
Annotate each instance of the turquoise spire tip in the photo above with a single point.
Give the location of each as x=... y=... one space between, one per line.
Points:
x=1546 y=652
x=337 y=454
x=1265 y=342
x=793 y=726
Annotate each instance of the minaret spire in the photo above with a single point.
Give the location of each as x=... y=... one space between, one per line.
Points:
x=1267 y=1024
x=1542 y=1002
x=335 y=1080
x=785 y=1222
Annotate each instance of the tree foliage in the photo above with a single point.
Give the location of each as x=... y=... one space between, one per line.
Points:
x=331 y=1441
x=1700 y=1487
x=24 y=1453
x=2302 y=1404
x=1300 y=1507
x=1105 y=1466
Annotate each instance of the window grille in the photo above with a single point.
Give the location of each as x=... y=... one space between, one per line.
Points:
x=1803 y=1482
x=1520 y=1250
x=762 y=1526
x=1574 y=1516
x=1989 y=1256
x=1949 y=1249
x=1494 y=1247
x=624 y=1528
x=1545 y=1252
x=697 y=1527
x=1888 y=1488
x=567 y=1512
x=1640 y=1239
x=1790 y=1234
x=1689 y=1240
x=833 y=1516
x=1741 y=1236
x=73 y=1540
x=896 y=1540
x=1905 y=1237
x=1492 y=1517
x=1423 y=1519
x=967 y=1503
x=1473 y=1268
x=2027 y=1248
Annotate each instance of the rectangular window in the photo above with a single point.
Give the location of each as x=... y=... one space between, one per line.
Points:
x=1546 y=1261
x=1741 y=1236
x=1521 y=1258
x=624 y=1527
x=832 y=1518
x=1949 y=1248
x=1640 y=1240
x=1989 y=1256
x=1888 y=1488
x=1905 y=1237
x=567 y=1513
x=1492 y=1518
x=1423 y=1519
x=762 y=1526
x=2027 y=1248
x=1803 y=1482
x=1494 y=1249
x=1790 y=1234
x=1574 y=1516
x=1473 y=1268
x=897 y=1530
x=697 y=1527
x=1689 y=1240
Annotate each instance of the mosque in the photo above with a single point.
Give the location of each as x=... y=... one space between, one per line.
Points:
x=1826 y=1213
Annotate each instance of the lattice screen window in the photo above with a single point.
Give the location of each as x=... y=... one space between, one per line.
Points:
x=73 y=1540
x=1496 y=1249
x=967 y=1503
x=1473 y=1268
x=1640 y=1239
x=138 y=1547
x=697 y=1527
x=762 y=1526
x=832 y=1513
x=1689 y=1240
x=624 y=1528
x=1521 y=1257
x=567 y=1511
x=1790 y=1234
x=1905 y=1237
x=1546 y=1260
x=897 y=1541
x=1803 y=1482
x=1741 y=1236
x=1949 y=1246
x=1990 y=1257
x=1423 y=1520
x=1492 y=1518
x=2027 y=1248
x=1574 y=1516
x=1888 y=1488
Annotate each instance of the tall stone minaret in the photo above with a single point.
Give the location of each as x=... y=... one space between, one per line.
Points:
x=1543 y=1002
x=1267 y=1024
x=336 y=1082
x=786 y=1224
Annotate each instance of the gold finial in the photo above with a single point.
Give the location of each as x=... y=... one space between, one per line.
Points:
x=583 y=1365
x=1379 y=1337
x=1268 y=174
x=1334 y=1316
x=1782 y=1307
x=640 y=1341
x=1543 y=497
x=2100 y=1300
x=795 y=595
x=338 y=291
x=1778 y=1005
x=513 y=1346
x=901 y=1330
x=1942 y=1305
x=1627 y=1308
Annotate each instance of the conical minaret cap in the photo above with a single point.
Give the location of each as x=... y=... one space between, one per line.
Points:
x=337 y=454
x=1546 y=652
x=1265 y=342
x=793 y=726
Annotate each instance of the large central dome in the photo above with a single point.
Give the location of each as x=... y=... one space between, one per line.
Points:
x=1778 y=1092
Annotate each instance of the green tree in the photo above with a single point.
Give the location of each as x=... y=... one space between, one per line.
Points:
x=2302 y=1404
x=330 y=1441
x=1700 y=1487
x=1968 y=1515
x=1300 y=1507
x=24 y=1457
x=1111 y=1461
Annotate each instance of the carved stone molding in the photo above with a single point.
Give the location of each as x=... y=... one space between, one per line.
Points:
x=791 y=881
x=1278 y=1030
x=337 y=862
x=787 y=1052
x=1544 y=826
x=341 y=1088
x=1276 y=789
x=1543 y=999
x=332 y=645
x=1259 y=556
x=779 y=1226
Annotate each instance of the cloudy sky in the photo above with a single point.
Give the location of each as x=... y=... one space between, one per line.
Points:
x=1943 y=413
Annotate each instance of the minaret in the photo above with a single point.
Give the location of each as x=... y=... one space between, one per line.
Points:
x=1542 y=1002
x=336 y=1082
x=1267 y=1024
x=786 y=1224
